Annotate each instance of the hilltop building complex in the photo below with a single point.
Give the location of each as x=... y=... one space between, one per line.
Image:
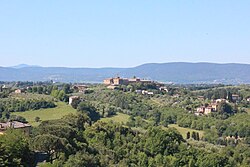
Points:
x=124 y=81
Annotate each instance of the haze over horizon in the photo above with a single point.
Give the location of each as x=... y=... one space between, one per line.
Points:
x=123 y=34
x=37 y=65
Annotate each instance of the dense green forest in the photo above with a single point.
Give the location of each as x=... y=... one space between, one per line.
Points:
x=145 y=139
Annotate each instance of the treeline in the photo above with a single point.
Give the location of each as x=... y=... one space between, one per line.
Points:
x=17 y=105
x=224 y=93
x=58 y=91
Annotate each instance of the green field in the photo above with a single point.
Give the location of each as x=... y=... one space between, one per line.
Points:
x=120 y=118
x=46 y=114
x=183 y=131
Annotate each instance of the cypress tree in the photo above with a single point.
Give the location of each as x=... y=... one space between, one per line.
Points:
x=197 y=136
x=188 y=135
x=194 y=135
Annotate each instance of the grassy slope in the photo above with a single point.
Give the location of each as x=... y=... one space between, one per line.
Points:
x=183 y=131
x=117 y=118
x=46 y=114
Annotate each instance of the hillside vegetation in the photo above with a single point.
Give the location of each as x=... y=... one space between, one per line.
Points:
x=124 y=127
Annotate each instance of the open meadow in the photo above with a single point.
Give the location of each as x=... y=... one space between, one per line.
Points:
x=58 y=112
x=119 y=118
x=183 y=131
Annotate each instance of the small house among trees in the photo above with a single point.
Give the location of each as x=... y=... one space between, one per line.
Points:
x=17 y=91
x=15 y=125
x=73 y=98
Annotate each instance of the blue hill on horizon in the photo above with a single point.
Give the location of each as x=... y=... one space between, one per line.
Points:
x=179 y=72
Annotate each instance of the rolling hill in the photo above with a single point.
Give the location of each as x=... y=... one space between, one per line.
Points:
x=165 y=72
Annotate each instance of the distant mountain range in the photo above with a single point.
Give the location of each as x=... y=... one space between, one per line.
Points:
x=163 y=72
x=23 y=65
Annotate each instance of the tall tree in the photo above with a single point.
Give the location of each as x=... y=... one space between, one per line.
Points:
x=194 y=135
x=14 y=149
x=188 y=135
x=50 y=144
x=89 y=109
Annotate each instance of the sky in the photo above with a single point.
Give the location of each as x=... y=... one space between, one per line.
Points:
x=123 y=33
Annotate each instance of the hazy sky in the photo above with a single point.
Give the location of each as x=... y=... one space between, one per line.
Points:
x=123 y=33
